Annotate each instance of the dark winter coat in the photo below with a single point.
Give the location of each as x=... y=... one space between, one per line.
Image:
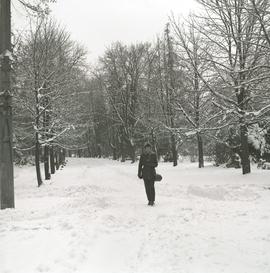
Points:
x=147 y=165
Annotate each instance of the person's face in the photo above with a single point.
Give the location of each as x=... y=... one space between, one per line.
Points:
x=147 y=150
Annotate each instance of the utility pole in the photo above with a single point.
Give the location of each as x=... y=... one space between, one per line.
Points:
x=6 y=136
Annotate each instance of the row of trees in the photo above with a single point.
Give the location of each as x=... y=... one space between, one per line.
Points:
x=202 y=84
x=48 y=69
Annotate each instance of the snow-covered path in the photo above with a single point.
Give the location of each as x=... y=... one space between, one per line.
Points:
x=93 y=218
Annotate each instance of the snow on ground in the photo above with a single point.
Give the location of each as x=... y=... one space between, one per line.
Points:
x=93 y=218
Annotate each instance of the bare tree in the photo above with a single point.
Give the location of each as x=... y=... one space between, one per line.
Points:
x=170 y=89
x=193 y=100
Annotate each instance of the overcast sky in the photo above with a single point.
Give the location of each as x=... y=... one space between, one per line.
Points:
x=98 y=23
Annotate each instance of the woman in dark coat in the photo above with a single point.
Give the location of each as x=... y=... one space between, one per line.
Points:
x=147 y=164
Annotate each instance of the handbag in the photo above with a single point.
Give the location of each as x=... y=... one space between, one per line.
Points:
x=158 y=177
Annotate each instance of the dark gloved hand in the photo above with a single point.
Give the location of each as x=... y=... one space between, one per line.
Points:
x=140 y=176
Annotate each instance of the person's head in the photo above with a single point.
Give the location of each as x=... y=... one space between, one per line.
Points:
x=147 y=148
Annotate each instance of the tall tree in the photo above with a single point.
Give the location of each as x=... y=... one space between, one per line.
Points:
x=170 y=88
x=6 y=139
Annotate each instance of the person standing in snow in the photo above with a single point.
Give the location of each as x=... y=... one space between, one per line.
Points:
x=148 y=163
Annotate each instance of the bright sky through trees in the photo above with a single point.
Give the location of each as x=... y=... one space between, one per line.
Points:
x=98 y=23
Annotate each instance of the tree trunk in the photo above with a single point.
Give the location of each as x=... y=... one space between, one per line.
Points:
x=113 y=147
x=99 y=152
x=37 y=160
x=122 y=151
x=154 y=142
x=56 y=156
x=52 y=163
x=200 y=150
x=89 y=150
x=46 y=163
x=61 y=156
x=114 y=154
x=64 y=157
x=6 y=154
x=6 y=138
x=174 y=150
x=244 y=150
x=170 y=88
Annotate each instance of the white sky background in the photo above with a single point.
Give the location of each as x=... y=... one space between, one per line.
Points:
x=98 y=23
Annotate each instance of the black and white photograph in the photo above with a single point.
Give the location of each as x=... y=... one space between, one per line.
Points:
x=134 y=136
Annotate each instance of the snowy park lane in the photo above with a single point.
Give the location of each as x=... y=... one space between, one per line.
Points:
x=93 y=218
